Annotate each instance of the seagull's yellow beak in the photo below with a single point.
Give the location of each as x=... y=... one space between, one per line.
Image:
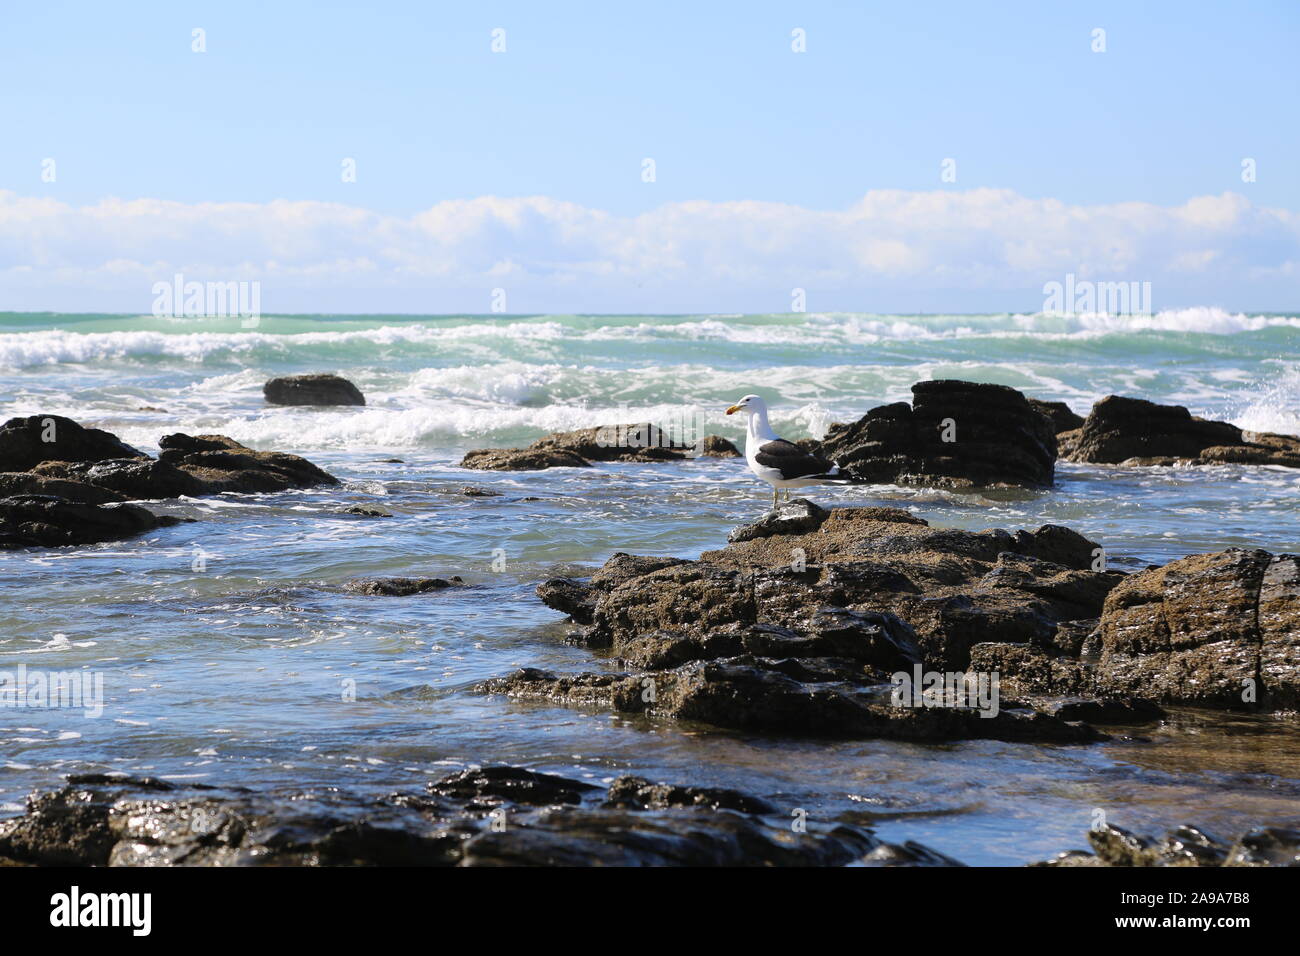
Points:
x=734 y=408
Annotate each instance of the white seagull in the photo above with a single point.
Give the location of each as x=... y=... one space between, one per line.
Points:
x=781 y=463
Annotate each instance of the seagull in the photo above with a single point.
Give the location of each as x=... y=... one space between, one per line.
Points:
x=781 y=463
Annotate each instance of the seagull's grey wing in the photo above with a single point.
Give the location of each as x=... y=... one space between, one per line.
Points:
x=790 y=460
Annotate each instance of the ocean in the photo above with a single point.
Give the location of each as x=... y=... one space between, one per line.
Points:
x=229 y=653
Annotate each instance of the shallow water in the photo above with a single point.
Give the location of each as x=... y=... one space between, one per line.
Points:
x=228 y=651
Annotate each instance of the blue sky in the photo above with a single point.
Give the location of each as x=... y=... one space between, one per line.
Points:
x=712 y=92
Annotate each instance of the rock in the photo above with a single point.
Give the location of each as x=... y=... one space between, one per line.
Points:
x=642 y=442
x=319 y=389
x=47 y=521
x=400 y=587
x=715 y=446
x=1113 y=710
x=221 y=464
x=1062 y=417
x=1134 y=431
x=570 y=596
x=473 y=491
x=1184 y=846
x=26 y=442
x=997 y=439
x=27 y=483
x=748 y=694
x=494 y=816
x=365 y=512
x=1206 y=630
x=132 y=479
x=796 y=516
x=521 y=459
x=1212 y=630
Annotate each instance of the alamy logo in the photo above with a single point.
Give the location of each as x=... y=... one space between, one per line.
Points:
x=53 y=689
x=1079 y=296
x=179 y=299
x=977 y=689
x=74 y=908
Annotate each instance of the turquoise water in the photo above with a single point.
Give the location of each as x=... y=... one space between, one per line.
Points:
x=245 y=671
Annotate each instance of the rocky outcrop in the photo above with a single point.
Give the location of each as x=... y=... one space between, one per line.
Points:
x=800 y=624
x=954 y=434
x=1133 y=431
x=318 y=389
x=26 y=442
x=643 y=442
x=46 y=521
x=1184 y=846
x=1211 y=630
x=494 y=816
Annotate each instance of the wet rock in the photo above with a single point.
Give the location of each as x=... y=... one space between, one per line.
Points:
x=26 y=442
x=494 y=816
x=365 y=512
x=47 y=521
x=1184 y=846
x=473 y=491
x=400 y=587
x=715 y=446
x=749 y=694
x=797 y=516
x=521 y=459
x=318 y=389
x=1122 y=430
x=996 y=439
x=570 y=596
x=132 y=479
x=631 y=792
x=1062 y=417
x=642 y=442
x=1111 y=710
x=28 y=483
x=221 y=464
x=491 y=786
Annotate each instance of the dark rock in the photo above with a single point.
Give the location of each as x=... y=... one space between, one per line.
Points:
x=494 y=816
x=46 y=521
x=489 y=786
x=521 y=459
x=365 y=512
x=400 y=587
x=26 y=442
x=14 y=483
x=569 y=596
x=797 y=516
x=471 y=491
x=221 y=464
x=1062 y=417
x=1113 y=710
x=320 y=389
x=1184 y=846
x=1134 y=431
x=133 y=479
x=998 y=439
x=715 y=446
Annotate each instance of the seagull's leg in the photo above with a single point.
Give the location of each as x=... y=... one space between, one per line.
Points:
x=776 y=496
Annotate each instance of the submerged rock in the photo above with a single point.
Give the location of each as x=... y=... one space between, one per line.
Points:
x=46 y=521
x=1137 y=432
x=400 y=587
x=494 y=816
x=318 y=389
x=954 y=434
x=521 y=459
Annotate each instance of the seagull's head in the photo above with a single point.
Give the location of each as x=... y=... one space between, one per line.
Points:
x=750 y=403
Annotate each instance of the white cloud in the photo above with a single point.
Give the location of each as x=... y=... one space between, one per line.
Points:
x=892 y=250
